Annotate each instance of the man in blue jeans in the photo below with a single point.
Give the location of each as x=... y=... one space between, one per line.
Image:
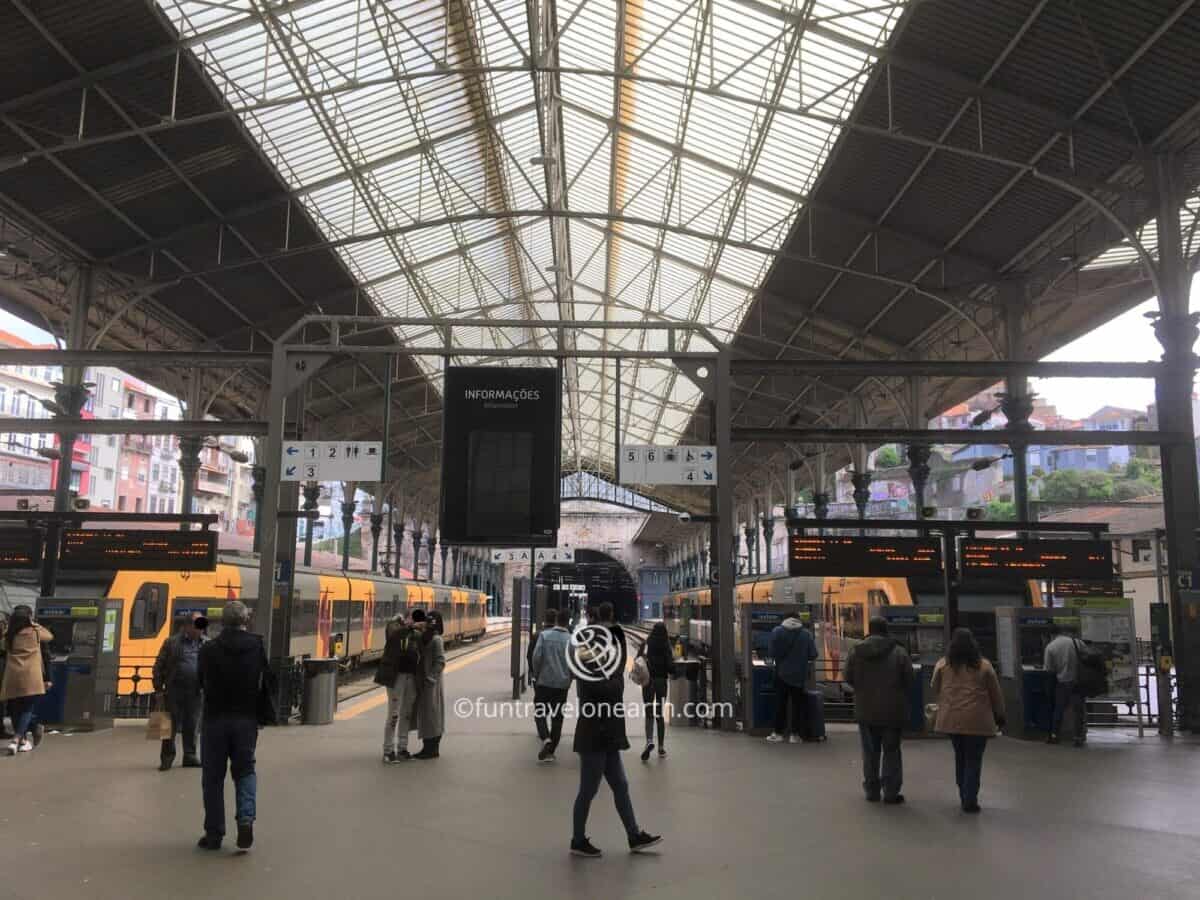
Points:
x=232 y=667
x=880 y=672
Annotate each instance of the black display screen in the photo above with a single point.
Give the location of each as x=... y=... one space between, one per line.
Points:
x=500 y=456
x=20 y=548
x=159 y=551
x=1048 y=559
x=864 y=556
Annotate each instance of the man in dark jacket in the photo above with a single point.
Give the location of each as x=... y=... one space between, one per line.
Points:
x=596 y=656
x=233 y=669
x=881 y=674
x=177 y=679
x=793 y=650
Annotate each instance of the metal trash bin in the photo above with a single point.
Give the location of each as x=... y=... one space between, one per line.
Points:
x=320 y=691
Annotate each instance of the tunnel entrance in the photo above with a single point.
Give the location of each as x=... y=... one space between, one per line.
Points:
x=593 y=578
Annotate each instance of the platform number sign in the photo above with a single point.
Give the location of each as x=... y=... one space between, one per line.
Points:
x=332 y=461
x=686 y=465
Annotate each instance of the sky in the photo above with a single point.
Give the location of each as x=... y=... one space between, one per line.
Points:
x=1127 y=338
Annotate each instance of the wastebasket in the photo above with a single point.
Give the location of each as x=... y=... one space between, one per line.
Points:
x=320 y=691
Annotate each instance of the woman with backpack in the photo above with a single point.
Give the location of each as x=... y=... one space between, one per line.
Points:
x=399 y=671
x=656 y=652
x=970 y=710
x=431 y=702
x=26 y=677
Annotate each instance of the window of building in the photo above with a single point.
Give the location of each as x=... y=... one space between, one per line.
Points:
x=107 y=504
x=116 y=385
x=1143 y=551
x=125 y=473
x=76 y=480
x=154 y=473
x=114 y=412
x=112 y=440
x=147 y=405
x=94 y=455
x=108 y=474
x=121 y=503
x=48 y=374
x=137 y=504
x=141 y=476
x=129 y=401
x=3 y=398
x=149 y=611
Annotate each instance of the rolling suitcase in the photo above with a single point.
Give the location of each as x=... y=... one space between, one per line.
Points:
x=814 y=718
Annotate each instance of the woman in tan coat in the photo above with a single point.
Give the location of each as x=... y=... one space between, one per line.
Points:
x=970 y=709
x=24 y=675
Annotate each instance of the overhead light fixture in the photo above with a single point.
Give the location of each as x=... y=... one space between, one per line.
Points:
x=543 y=161
x=12 y=162
x=48 y=452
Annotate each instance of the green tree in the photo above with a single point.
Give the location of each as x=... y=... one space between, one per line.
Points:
x=1132 y=488
x=1141 y=470
x=887 y=458
x=1067 y=485
x=1001 y=510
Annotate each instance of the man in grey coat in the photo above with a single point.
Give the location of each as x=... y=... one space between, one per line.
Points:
x=881 y=674
x=552 y=680
x=176 y=677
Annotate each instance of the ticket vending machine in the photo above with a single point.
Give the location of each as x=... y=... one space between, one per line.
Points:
x=1022 y=634
x=921 y=630
x=85 y=655
x=758 y=620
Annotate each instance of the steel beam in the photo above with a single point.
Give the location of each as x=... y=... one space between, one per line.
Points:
x=182 y=428
x=144 y=359
x=983 y=368
x=960 y=436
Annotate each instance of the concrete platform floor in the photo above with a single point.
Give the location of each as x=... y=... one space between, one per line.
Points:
x=89 y=816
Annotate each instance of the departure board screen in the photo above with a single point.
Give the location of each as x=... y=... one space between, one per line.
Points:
x=159 y=551
x=20 y=548
x=1051 y=559
x=866 y=556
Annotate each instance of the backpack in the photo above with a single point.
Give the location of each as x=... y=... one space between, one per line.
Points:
x=401 y=656
x=1091 y=679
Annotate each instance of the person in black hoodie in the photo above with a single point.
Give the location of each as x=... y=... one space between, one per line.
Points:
x=597 y=658
x=233 y=670
x=659 y=662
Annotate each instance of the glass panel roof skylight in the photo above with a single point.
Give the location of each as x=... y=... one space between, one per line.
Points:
x=604 y=183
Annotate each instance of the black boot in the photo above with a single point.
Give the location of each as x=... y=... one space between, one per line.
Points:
x=429 y=749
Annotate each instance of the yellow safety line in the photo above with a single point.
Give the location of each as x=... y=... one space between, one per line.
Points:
x=379 y=698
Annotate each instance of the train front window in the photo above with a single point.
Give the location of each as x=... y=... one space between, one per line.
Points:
x=149 y=611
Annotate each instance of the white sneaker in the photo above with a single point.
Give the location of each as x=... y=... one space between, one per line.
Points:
x=794 y=739
x=12 y=748
x=775 y=739
x=26 y=746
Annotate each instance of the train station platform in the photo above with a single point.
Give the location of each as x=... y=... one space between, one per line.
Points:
x=89 y=816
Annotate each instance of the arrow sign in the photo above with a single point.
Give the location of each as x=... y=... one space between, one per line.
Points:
x=289 y=471
x=292 y=450
x=707 y=454
x=708 y=476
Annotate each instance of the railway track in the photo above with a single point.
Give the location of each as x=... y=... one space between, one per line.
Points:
x=361 y=681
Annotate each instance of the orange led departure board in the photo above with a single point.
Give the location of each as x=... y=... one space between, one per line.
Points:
x=20 y=548
x=849 y=556
x=159 y=551
x=1051 y=559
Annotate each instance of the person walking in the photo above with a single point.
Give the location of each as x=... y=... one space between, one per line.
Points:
x=659 y=662
x=549 y=620
x=5 y=734
x=1061 y=659
x=400 y=672
x=26 y=677
x=552 y=680
x=600 y=735
x=431 y=701
x=177 y=680
x=233 y=672
x=881 y=674
x=970 y=709
x=794 y=651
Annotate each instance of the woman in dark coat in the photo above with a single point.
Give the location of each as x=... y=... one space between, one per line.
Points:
x=659 y=661
x=431 y=701
x=600 y=738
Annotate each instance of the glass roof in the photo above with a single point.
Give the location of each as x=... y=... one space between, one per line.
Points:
x=649 y=165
